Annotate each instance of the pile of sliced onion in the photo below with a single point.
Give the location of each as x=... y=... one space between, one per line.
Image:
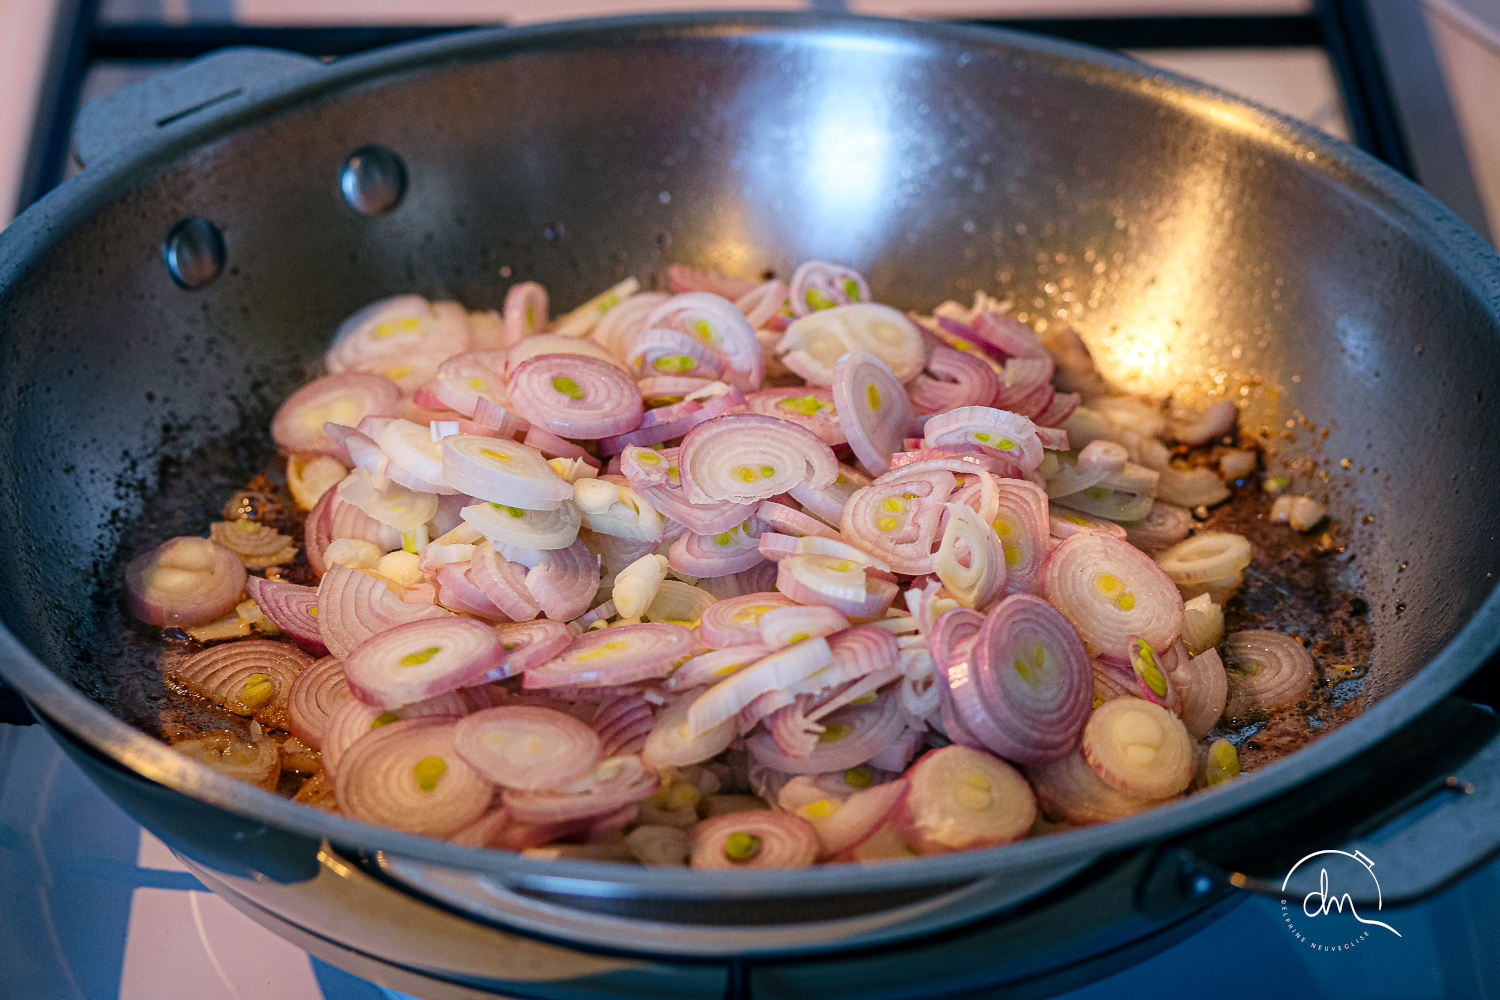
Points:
x=584 y=579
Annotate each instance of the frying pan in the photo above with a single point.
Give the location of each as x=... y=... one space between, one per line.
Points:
x=157 y=305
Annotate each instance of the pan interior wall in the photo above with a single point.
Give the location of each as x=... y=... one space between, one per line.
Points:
x=1199 y=249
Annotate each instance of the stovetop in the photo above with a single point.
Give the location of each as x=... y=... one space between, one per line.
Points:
x=93 y=907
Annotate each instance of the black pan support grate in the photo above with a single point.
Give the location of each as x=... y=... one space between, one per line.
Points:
x=1340 y=27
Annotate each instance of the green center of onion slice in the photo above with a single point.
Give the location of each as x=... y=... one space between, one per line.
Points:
x=429 y=771
x=421 y=656
x=741 y=846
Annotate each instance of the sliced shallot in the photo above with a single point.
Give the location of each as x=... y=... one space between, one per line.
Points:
x=622 y=654
x=575 y=396
x=959 y=798
x=1204 y=688
x=757 y=838
x=345 y=398
x=352 y=606
x=408 y=776
x=744 y=457
x=421 y=659
x=504 y=472
x=312 y=697
x=873 y=408
x=184 y=581
x=1140 y=748
x=250 y=677
x=528 y=748
x=1266 y=670
x=1071 y=791
x=1110 y=590
x=294 y=609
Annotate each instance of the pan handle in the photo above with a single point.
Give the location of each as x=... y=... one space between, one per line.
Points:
x=169 y=101
x=1445 y=829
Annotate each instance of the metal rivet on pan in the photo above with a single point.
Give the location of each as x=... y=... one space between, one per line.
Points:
x=1195 y=883
x=373 y=180
x=194 y=252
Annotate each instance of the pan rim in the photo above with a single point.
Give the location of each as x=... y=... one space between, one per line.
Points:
x=1450 y=241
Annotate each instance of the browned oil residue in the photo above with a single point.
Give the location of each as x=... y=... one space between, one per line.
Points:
x=1300 y=585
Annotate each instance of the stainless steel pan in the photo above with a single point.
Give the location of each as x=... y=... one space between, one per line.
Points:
x=1188 y=235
